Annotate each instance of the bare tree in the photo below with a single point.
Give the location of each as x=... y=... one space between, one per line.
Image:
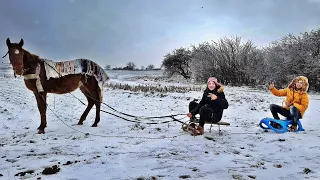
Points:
x=228 y=59
x=178 y=63
x=130 y=66
x=299 y=55
x=237 y=63
x=150 y=67
x=107 y=67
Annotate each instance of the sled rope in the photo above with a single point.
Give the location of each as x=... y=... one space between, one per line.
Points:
x=109 y=136
x=139 y=137
x=136 y=117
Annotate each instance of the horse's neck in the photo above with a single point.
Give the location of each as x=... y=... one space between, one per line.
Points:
x=31 y=63
x=33 y=66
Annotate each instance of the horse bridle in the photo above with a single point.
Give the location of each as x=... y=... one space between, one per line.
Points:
x=20 y=64
x=5 y=54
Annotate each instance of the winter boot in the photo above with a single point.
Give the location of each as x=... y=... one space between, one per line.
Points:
x=198 y=131
x=293 y=128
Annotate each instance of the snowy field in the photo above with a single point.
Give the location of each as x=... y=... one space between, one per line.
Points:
x=119 y=149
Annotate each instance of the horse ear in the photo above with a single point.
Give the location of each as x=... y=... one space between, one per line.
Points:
x=8 y=42
x=21 y=42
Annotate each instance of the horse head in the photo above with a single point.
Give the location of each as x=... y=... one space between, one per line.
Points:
x=16 y=54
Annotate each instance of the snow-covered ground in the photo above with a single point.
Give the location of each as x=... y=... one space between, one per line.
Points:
x=146 y=78
x=119 y=149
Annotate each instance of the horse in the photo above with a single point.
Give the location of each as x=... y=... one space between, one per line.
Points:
x=84 y=74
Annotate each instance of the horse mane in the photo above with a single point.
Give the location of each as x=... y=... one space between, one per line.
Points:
x=31 y=57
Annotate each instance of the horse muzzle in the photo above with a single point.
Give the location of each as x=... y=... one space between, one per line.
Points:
x=19 y=71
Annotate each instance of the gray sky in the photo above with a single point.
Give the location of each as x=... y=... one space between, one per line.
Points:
x=143 y=31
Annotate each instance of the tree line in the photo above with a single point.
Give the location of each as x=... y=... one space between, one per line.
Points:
x=131 y=66
x=237 y=63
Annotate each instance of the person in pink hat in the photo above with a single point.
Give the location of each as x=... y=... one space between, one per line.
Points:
x=211 y=105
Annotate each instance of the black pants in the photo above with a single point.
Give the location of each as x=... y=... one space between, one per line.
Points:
x=292 y=114
x=206 y=114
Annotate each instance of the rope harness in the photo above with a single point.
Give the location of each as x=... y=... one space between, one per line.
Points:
x=137 y=119
x=37 y=77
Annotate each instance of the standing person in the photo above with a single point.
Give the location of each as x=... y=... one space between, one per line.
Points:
x=210 y=107
x=296 y=103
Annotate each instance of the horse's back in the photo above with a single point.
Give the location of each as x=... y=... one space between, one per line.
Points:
x=76 y=66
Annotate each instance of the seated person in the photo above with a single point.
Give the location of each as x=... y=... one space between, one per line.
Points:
x=210 y=107
x=296 y=102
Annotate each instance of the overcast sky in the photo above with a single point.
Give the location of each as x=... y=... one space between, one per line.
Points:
x=143 y=31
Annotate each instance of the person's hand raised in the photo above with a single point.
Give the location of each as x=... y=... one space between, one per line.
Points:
x=213 y=96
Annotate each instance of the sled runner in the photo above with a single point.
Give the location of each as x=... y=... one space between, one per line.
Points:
x=278 y=126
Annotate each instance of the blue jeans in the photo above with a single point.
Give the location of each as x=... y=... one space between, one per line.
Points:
x=292 y=114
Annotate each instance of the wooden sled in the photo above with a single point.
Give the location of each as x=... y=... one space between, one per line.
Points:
x=189 y=126
x=220 y=123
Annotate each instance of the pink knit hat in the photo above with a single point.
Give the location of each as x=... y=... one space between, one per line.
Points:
x=213 y=79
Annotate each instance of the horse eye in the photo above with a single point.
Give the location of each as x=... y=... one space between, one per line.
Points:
x=16 y=51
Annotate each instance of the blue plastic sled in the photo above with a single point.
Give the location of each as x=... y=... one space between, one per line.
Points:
x=266 y=124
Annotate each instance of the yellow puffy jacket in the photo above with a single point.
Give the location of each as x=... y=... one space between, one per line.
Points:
x=300 y=98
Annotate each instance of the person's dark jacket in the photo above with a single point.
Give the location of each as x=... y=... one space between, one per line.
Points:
x=216 y=105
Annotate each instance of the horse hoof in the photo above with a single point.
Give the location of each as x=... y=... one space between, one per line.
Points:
x=80 y=123
x=94 y=125
x=40 y=127
x=41 y=132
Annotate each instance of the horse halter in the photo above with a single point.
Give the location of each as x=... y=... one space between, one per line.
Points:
x=5 y=54
x=16 y=59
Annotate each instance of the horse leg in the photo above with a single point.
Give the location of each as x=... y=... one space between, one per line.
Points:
x=92 y=91
x=97 y=102
x=42 y=106
x=97 y=120
x=90 y=105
